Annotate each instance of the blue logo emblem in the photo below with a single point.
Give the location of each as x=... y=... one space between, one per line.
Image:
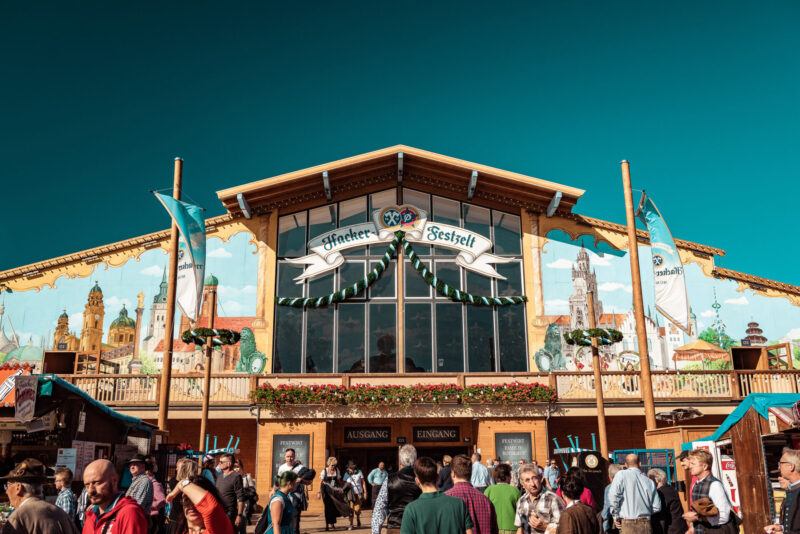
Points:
x=658 y=260
x=391 y=217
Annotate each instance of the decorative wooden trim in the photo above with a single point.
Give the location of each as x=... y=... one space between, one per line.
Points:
x=762 y=286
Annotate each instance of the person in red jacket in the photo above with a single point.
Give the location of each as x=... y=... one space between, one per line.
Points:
x=202 y=509
x=110 y=512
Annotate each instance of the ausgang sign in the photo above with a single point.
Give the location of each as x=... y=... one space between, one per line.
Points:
x=367 y=434
x=473 y=249
x=436 y=433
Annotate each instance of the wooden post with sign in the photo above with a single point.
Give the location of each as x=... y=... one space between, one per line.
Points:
x=598 y=381
x=169 y=321
x=645 y=382
x=212 y=313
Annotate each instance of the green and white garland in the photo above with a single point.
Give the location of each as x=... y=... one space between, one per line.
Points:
x=605 y=336
x=391 y=251
x=220 y=336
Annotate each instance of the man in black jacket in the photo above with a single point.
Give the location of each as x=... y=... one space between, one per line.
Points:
x=397 y=491
x=669 y=520
x=789 y=467
x=445 y=481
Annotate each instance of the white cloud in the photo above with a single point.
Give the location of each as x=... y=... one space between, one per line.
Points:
x=599 y=261
x=615 y=286
x=708 y=313
x=700 y=325
x=231 y=307
x=556 y=306
x=561 y=263
x=114 y=304
x=794 y=333
x=232 y=292
x=741 y=301
x=153 y=270
x=219 y=253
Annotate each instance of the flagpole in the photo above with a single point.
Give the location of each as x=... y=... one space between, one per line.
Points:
x=598 y=382
x=645 y=382
x=169 y=323
x=212 y=314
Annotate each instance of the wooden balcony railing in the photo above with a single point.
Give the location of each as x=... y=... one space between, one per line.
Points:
x=572 y=387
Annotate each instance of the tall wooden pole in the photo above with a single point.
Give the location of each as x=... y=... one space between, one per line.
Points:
x=166 y=368
x=212 y=314
x=598 y=382
x=645 y=382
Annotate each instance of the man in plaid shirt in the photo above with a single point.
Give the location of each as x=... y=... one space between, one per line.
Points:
x=539 y=510
x=65 y=499
x=141 y=489
x=480 y=508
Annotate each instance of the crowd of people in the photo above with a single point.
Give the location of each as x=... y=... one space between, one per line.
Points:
x=202 y=497
x=466 y=496
x=460 y=495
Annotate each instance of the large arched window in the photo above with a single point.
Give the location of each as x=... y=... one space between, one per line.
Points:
x=361 y=335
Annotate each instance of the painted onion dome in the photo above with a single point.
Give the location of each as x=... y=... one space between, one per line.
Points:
x=123 y=319
x=211 y=280
x=96 y=289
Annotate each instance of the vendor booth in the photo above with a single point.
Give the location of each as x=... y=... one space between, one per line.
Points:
x=746 y=448
x=57 y=423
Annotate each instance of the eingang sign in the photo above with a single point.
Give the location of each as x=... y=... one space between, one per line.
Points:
x=473 y=249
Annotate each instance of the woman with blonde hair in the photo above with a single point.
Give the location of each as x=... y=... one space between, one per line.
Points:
x=332 y=493
x=185 y=469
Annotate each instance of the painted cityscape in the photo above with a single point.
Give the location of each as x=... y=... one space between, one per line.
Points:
x=721 y=316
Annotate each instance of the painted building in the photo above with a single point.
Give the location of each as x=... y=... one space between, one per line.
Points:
x=290 y=245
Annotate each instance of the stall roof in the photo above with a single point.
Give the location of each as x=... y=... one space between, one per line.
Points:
x=133 y=422
x=760 y=402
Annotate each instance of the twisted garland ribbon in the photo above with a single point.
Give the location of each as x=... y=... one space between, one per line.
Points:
x=391 y=251
x=220 y=336
x=605 y=336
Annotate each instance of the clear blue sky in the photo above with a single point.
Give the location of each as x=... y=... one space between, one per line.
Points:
x=701 y=97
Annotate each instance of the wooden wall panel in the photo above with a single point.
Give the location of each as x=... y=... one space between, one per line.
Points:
x=267 y=429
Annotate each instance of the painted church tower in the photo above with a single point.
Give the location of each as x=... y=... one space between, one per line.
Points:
x=583 y=281
x=92 y=331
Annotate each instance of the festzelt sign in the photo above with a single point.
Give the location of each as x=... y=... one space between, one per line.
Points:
x=473 y=249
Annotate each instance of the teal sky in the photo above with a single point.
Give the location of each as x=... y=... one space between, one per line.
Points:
x=701 y=97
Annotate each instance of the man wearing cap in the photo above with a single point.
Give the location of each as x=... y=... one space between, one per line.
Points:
x=109 y=511
x=31 y=514
x=141 y=489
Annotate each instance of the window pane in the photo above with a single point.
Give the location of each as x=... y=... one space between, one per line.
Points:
x=418 y=199
x=353 y=211
x=376 y=202
x=478 y=220
x=383 y=338
x=511 y=325
x=351 y=338
x=507 y=235
x=292 y=235
x=350 y=273
x=386 y=284
x=449 y=338
x=287 y=287
x=446 y=211
x=479 y=285
x=382 y=199
x=289 y=333
x=319 y=287
x=449 y=273
x=418 y=338
x=321 y=220
x=415 y=286
x=319 y=340
x=512 y=285
x=423 y=202
x=480 y=339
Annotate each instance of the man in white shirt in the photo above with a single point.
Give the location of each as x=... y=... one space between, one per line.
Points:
x=298 y=496
x=709 y=487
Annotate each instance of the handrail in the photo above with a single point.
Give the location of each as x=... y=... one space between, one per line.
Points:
x=571 y=386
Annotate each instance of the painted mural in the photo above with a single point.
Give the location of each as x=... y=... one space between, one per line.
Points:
x=721 y=316
x=118 y=309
